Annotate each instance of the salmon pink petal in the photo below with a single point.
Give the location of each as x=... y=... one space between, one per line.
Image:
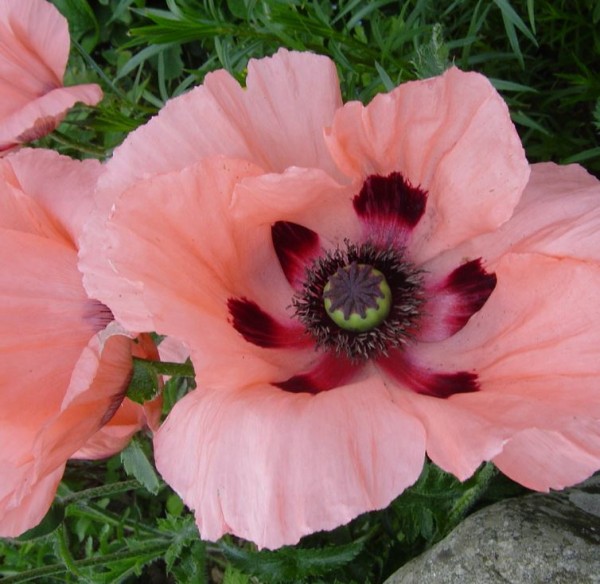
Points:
x=259 y=201
x=59 y=361
x=450 y=136
x=261 y=449
x=140 y=244
x=276 y=122
x=39 y=444
x=128 y=419
x=458 y=439
x=548 y=459
x=515 y=346
x=41 y=116
x=34 y=48
x=30 y=171
x=553 y=314
x=15 y=519
x=453 y=301
x=184 y=261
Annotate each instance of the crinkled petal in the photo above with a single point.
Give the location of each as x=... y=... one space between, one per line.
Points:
x=28 y=204
x=558 y=215
x=34 y=48
x=177 y=258
x=533 y=347
x=451 y=136
x=15 y=519
x=271 y=466
x=548 y=459
x=49 y=435
x=259 y=201
x=42 y=115
x=277 y=121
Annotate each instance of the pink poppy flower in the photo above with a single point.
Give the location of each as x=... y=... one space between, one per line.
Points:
x=34 y=48
x=64 y=363
x=358 y=286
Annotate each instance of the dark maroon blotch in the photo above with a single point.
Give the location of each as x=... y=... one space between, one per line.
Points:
x=390 y=198
x=260 y=328
x=473 y=284
x=444 y=385
x=425 y=381
x=330 y=372
x=296 y=246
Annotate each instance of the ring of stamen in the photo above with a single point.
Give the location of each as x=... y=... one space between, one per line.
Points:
x=394 y=326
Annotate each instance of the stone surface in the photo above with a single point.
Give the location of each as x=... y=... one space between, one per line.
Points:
x=536 y=539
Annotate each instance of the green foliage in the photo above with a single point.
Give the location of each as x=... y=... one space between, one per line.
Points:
x=291 y=564
x=136 y=464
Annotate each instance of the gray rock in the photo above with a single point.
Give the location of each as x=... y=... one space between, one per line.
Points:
x=536 y=539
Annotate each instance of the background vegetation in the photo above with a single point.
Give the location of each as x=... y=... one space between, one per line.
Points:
x=115 y=521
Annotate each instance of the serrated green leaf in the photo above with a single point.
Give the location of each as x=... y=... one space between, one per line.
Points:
x=233 y=576
x=144 y=385
x=291 y=564
x=138 y=466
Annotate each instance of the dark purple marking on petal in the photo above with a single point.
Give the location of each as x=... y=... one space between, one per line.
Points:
x=261 y=329
x=427 y=382
x=451 y=303
x=330 y=372
x=390 y=206
x=296 y=247
x=98 y=314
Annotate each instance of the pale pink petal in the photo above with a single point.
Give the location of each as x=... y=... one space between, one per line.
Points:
x=542 y=317
x=34 y=47
x=533 y=346
x=116 y=434
x=458 y=440
x=259 y=201
x=558 y=215
x=24 y=187
x=42 y=115
x=276 y=122
x=549 y=459
x=41 y=442
x=63 y=373
x=451 y=136
x=31 y=507
x=271 y=466
x=183 y=261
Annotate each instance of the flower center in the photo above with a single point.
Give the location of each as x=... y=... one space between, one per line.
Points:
x=360 y=301
x=357 y=297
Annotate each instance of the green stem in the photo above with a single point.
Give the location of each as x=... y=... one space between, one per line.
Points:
x=62 y=139
x=151 y=550
x=96 y=513
x=99 y=492
x=167 y=368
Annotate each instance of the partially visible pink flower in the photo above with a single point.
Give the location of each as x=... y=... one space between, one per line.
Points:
x=129 y=417
x=64 y=363
x=34 y=48
x=239 y=212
